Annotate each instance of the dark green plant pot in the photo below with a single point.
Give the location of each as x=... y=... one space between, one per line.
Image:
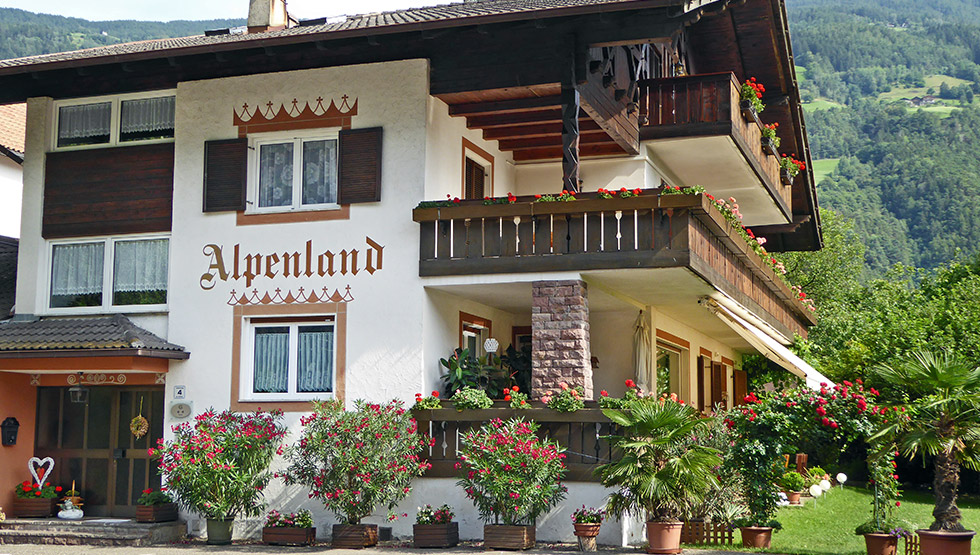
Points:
x=219 y=531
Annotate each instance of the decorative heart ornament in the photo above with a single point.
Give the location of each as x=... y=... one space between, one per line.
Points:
x=34 y=464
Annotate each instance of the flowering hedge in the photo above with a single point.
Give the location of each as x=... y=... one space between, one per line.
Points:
x=767 y=425
x=219 y=465
x=511 y=475
x=355 y=461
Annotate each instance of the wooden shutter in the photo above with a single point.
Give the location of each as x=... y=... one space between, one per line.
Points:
x=225 y=169
x=702 y=363
x=360 y=165
x=717 y=379
x=473 y=180
x=740 y=386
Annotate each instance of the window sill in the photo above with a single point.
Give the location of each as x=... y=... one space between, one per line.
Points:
x=285 y=406
x=116 y=144
x=293 y=216
x=100 y=310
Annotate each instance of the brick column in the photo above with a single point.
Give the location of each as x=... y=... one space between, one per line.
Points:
x=560 y=336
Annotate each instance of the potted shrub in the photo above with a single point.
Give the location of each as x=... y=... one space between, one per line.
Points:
x=941 y=421
x=219 y=464
x=34 y=500
x=155 y=506
x=662 y=470
x=435 y=527
x=881 y=532
x=792 y=484
x=587 y=522
x=289 y=529
x=356 y=461
x=510 y=495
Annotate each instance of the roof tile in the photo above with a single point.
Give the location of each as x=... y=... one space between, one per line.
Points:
x=102 y=332
x=13 y=124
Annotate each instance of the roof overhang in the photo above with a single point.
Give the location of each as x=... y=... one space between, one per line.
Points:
x=66 y=363
x=94 y=353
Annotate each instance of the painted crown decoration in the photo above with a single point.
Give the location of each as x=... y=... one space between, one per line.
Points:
x=257 y=118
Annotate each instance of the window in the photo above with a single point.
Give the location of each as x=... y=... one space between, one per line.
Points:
x=136 y=268
x=289 y=358
x=295 y=173
x=668 y=369
x=473 y=179
x=477 y=171
x=473 y=332
x=119 y=120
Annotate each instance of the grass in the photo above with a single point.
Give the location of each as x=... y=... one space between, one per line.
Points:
x=820 y=104
x=827 y=527
x=824 y=167
x=933 y=81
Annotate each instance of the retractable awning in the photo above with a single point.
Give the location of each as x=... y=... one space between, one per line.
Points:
x=768 y=346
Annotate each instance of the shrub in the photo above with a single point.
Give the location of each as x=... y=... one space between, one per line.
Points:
x=218 y=466
x=517 y=399
x=815 y=473
x=355 y=461
x=300 y=519
x=568 y=399
x=471 y=398
x=792 y=481
x=428 y=515
x=430 y=402
x=511 y=475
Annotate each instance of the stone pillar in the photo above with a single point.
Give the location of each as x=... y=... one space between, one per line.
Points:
x=560 y=336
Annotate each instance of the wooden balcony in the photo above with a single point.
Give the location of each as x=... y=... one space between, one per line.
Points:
x=694 y=127
x=579 y=432
x=646 y=232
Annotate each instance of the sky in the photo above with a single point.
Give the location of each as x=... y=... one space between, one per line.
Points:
x=159 y=10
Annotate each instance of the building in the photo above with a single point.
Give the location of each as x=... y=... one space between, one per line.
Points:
x=227 y=220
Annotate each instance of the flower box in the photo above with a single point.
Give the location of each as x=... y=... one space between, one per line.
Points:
x=769 y=147
x=161 y=512
x=286 y=535
x=354 y=536
x=748 y=111
x=502 y=536
x=436 y=535
x=34 y=508
x=786 y=177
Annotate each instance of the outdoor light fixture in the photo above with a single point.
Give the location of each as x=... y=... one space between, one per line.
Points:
x=841 y=478
x=815 y=492
x=78 y=393
x=8 y=431
x=490 y=346
x=825 y=485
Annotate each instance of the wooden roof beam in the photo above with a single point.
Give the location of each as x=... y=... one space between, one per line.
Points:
x=535 y=130
x=505 y=106
x=587 y=137
x=516 y=118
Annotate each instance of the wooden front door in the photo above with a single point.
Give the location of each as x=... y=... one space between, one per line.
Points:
x=93 y=445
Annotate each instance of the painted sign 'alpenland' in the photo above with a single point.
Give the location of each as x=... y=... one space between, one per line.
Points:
x=288 y=263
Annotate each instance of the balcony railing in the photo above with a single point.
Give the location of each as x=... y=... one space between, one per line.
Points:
x=703 y=106
x=648 y=231
x=580 y=433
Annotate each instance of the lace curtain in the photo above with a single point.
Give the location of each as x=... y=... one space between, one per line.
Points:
x=146 y=115
x=315 y=359
x=319 y=172
x=77 y=269
x=271 y=367
x=140 y=265
x=276 y=175
x=84 y=122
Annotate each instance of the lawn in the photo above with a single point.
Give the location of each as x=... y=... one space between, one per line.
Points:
x=824 y=167
x=827 y=527
x=820 y=104
x=932 y=81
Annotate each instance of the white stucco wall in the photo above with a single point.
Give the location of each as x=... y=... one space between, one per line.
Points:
x=11 y=190
x=595 y=173
x=30 y=255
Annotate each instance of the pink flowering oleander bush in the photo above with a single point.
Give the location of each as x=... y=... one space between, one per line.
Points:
x=219 y=464
x=354 y=461
x=300 y=519
x=428 y=515
x=510 y=474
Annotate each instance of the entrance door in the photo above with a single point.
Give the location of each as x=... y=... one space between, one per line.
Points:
x=93 y=445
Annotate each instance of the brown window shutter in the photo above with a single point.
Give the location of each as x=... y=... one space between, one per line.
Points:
x=740 y=386
x=360 y=165
x=475 y=174
x=717 y=383
x=702 y=364
x=225 y=169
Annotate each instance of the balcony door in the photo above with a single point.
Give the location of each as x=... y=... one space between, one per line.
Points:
x=92 y=444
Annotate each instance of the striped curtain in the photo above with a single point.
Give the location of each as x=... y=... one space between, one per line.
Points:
x=271 y=365
x=315 y=359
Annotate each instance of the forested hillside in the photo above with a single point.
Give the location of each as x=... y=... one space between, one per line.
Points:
x=894 y=124
x=24 y=33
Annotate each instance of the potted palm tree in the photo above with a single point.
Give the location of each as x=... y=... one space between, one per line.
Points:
x=942 y=421
x=662 y=469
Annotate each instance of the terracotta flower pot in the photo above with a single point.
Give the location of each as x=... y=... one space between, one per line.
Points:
x=793 y=497
x=756 y=536
x=881 y=544
x=664 y=537
x=354 y=536
x=162 y=512
x=587 y=530
x=436 y=535
x=286 y=535
x=945 y=543
x=504 y=536
x=33 y=508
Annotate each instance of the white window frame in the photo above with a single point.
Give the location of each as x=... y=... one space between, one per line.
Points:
x=114 y=119
x=108 y=262
x=255 y=143
x=247 y=360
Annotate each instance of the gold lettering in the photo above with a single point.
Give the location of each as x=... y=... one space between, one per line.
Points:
x=253 y=268
x=217 y=264
x=375 y=248
x=269 y=261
